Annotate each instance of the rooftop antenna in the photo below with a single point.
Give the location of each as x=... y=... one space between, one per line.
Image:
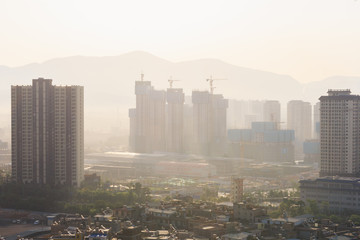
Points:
x=211 y=80
x=171 y=81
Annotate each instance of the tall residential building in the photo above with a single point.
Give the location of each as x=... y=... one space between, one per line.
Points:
x=209 y=122
x=175 y=120
x=241 y=113
x=188 y=141
x=132 y=135
x=3 y=145
x=237 y=189
x=316 y=123
x=272 y=111
x=158 y=120
x=142 y=92
x=220 y=106
x=150 y=118
x=47 y=124
x=340 y=134
x=201 y=120
x=299 y=119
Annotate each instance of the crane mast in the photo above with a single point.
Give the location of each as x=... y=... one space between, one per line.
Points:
x=211 y=81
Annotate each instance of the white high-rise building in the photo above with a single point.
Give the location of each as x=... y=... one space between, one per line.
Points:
x=209 y=122
x=340 y=134
x=316 y=123
x=150 y=118
x=175 y=120
x=299 y=120
x=47 y=133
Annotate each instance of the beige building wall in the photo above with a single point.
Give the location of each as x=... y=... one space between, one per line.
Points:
x=299 y=120
x=175 y=120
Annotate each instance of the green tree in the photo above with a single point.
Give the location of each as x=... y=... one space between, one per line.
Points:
x=355 y=219
x=313 y=207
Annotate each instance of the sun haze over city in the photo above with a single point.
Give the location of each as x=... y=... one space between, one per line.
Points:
x=179 y=120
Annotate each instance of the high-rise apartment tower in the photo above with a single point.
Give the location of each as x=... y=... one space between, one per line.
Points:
x=272 y=111
x=47 y=128
x=150 y=118
x=340 y=134
x=299 y=120
x=175 y=120
x=209 y=122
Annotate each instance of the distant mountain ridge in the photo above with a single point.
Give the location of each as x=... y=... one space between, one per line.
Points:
x=109 y=81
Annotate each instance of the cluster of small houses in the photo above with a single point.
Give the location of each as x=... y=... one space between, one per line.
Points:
x=184 y=220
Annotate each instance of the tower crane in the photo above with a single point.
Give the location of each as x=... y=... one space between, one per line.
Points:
x=211 y=80
x=171 y=81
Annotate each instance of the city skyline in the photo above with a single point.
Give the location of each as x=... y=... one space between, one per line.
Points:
x=201 y=119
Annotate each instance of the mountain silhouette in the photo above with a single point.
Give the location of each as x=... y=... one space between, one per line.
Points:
x=109 y=81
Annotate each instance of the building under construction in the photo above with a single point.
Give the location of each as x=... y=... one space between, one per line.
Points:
x=147 y=121
x=160 y=121
x=209 y=123
x=175 y=120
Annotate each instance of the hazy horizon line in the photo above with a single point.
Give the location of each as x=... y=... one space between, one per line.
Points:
x=170 y=61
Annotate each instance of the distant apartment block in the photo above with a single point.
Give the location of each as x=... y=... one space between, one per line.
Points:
x=47 y=129
x=299 y=120
x=272 y=111
x=263 y=142
x=162 y=121
x=149 y=117
x=209 y=122
x=340 y=134
x=311 y=151
x=175 y=120
x=316 y=121
x=3 y=146
x=242 y=113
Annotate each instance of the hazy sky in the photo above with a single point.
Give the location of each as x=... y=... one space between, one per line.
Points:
x=307 y=39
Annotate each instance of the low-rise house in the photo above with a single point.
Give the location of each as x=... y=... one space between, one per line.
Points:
x=249 y=213
x=159 y=218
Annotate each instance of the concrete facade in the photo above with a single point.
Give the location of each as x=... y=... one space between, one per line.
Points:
x=299 y=120
x=150 y=118
x=334 y=194
x=237 y=189
x=340 y=134
x=175 y=120
x=209 y=122
x=272 y=111
x=47 y=124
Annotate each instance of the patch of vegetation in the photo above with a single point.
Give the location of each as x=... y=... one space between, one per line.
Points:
x=84 y=200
